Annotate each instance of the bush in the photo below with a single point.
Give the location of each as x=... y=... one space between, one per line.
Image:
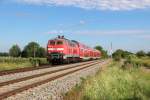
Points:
x=141 y=54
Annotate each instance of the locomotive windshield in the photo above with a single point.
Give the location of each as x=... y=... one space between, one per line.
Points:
x=52 y=42
x=59 y=42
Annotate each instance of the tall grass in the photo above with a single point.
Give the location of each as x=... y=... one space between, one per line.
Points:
x=145 y=61
x=114 y=83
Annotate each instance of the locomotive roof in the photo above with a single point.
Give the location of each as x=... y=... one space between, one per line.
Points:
x=75 y=42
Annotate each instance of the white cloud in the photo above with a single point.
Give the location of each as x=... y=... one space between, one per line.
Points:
x=94 y=4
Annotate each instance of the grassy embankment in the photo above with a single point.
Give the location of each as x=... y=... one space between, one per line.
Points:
x=8 y=63
x=113 y=83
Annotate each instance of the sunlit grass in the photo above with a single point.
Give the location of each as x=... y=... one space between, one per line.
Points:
x=113 y=83
x=8 y=63
x=9 y=66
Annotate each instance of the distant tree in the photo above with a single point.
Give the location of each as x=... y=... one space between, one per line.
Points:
x=33 y=49
x=4 y=54
x=41 y=52
x=99 y=48
x=119 y=54
x=141 y=53
x=15 y=51
x=104 y=52
x=148 y=54
x=30 y=50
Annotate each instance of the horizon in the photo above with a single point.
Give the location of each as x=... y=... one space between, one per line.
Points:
x=124 y=24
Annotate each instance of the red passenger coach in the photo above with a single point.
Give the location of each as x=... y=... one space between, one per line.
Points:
x=62 y=50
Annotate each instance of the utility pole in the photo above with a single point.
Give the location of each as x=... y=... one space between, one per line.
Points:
x=34 y=50
x=111 y=50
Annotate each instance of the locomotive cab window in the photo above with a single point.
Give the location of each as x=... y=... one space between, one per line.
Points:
x=52 y=42
x=59 y=42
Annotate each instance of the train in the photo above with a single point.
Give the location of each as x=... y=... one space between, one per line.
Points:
x=61 y=50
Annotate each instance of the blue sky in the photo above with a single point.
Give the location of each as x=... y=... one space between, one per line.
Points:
x=98 y=22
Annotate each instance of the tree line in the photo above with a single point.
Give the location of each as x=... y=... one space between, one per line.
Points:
x=32 y=49
x=119 y=54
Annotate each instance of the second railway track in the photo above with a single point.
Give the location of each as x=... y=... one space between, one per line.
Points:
x=15 y=86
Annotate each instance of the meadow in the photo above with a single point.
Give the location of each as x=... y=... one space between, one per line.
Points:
x=113 y=83
x=8 y=63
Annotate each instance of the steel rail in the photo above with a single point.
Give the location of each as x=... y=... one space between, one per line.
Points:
x=13 y=71
x=37 y=75
x=21 y=89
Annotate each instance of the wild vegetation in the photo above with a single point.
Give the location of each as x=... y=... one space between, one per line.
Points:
x=113 y=83
x=140 y=58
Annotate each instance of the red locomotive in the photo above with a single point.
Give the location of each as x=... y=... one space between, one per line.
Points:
x=62 y=50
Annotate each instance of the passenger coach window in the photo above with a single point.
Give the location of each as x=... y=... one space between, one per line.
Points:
x=59 y=42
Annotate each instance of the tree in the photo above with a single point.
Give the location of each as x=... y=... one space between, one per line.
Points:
x=4 y=54
x=30 y=50
x=148 y=54
x=99 y=48
x=141 y=53
x=104 y=52
x=119 y=54
x=33 y=49
x=15 y=51
x=41 y=52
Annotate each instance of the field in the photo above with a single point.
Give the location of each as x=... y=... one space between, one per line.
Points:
x=113 y=83
x=8 y=63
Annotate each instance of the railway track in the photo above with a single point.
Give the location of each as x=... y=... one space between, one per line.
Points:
x=15 y=86
x=13 y=71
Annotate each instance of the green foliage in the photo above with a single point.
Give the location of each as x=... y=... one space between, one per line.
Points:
x=119 y=54
x=141 y=54
x=15 y=51
x=148 y=54
x=33 y=49
x=104 y=52
x=4 y=54
x=30 y=50
x=41 y=52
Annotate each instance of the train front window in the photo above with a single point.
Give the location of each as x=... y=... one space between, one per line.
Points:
x=52 y=42
x=59 y=42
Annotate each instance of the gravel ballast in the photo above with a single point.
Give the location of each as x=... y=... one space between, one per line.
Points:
x=34 y=72
x=53 y=90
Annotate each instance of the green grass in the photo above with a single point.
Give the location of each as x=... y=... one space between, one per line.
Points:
x=10 y=66
x=8 y=63
x=145 y=61
x=113 y=83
